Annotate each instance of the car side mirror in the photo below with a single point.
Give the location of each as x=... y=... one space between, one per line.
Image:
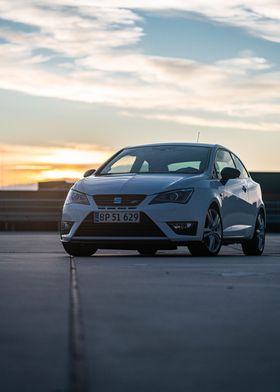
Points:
x=89 y=172
x=229 y=173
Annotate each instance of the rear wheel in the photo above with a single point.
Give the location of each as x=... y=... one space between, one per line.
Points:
x=255 y=246
x=79 y=250
x=212 y=236
x=147 y=251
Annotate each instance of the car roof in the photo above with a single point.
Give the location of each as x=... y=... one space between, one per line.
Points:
x=178 y=144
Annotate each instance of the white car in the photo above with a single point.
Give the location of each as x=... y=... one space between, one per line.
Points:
x=161 y=196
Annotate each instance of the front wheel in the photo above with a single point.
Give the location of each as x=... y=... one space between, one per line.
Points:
x=212 y=236
x=79 y=250
x=255 y=246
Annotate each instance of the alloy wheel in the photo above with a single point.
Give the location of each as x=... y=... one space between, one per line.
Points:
x=260 y=232
x=212 y=237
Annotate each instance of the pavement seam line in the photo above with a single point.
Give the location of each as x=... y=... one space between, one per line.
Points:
x=78 y=368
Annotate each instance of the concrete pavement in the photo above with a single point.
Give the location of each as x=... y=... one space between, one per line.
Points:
x=122 y=322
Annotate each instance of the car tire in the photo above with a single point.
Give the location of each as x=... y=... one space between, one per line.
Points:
x=212 y=236
x=147 y=251
x=79 y=250
x=255 y=246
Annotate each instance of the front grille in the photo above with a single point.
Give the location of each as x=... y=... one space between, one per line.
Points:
x=118 y=200
x=146 y=228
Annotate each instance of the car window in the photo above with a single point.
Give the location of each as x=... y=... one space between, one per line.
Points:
x=124 y=164
x=144 y=168
x=184 y=166
x=240 y=167
x=223 y=159
x=182 y=159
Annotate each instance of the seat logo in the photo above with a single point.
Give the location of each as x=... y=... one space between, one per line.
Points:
x=117 y=200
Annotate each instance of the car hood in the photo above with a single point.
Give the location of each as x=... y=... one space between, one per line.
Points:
x=135 y=183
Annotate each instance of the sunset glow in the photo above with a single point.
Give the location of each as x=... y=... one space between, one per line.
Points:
x=31 y=164
x=71 y=156
x=60 y=174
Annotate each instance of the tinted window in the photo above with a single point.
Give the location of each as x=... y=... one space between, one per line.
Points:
x=159 y=159
x=145 y=167
x=223 y=159
x=123 y=164
x=240 y=167
x=181 y=166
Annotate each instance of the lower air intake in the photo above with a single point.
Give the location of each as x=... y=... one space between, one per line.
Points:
x=146 y=228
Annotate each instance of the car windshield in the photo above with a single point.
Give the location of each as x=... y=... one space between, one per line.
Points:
x=158 y=159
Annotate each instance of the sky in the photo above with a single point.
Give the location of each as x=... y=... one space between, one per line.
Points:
x=80 y=79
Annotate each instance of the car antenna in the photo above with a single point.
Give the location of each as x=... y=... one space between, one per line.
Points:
x=198 y=134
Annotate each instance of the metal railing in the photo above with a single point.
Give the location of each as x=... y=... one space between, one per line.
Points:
x=40 y=210
x=273 y=212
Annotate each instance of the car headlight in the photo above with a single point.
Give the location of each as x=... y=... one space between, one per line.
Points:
x=75 y=197
x=178 y=196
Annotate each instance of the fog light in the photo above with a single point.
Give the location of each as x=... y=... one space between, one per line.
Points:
x=184 y=228
x=65 y=227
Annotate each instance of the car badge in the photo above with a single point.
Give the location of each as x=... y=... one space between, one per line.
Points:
x=117 y=200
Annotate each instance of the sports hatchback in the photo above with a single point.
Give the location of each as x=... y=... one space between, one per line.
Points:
x=161 y=196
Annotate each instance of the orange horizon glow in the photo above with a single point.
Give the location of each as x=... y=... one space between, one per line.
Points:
x=32 y=164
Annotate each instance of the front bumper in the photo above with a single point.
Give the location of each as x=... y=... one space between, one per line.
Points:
x=154 y=227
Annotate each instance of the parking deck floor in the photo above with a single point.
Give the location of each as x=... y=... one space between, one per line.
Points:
x=121 y=322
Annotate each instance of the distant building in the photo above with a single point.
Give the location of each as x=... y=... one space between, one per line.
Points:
x=41 y=210
x=270 y=183
x=54 y=185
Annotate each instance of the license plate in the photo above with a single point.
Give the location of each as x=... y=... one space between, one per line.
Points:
x=116 y=217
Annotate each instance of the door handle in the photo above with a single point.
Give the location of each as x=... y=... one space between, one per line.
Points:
x=244 y=188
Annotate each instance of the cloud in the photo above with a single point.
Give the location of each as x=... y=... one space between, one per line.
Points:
x=54 y=154
x=247 y=62
x=256 y=16
x=217 y=123
x=68 y=29
x=139 y=81
x=85 y=51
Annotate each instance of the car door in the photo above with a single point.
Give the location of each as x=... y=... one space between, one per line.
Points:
x=235 y=201
x=251 y=189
